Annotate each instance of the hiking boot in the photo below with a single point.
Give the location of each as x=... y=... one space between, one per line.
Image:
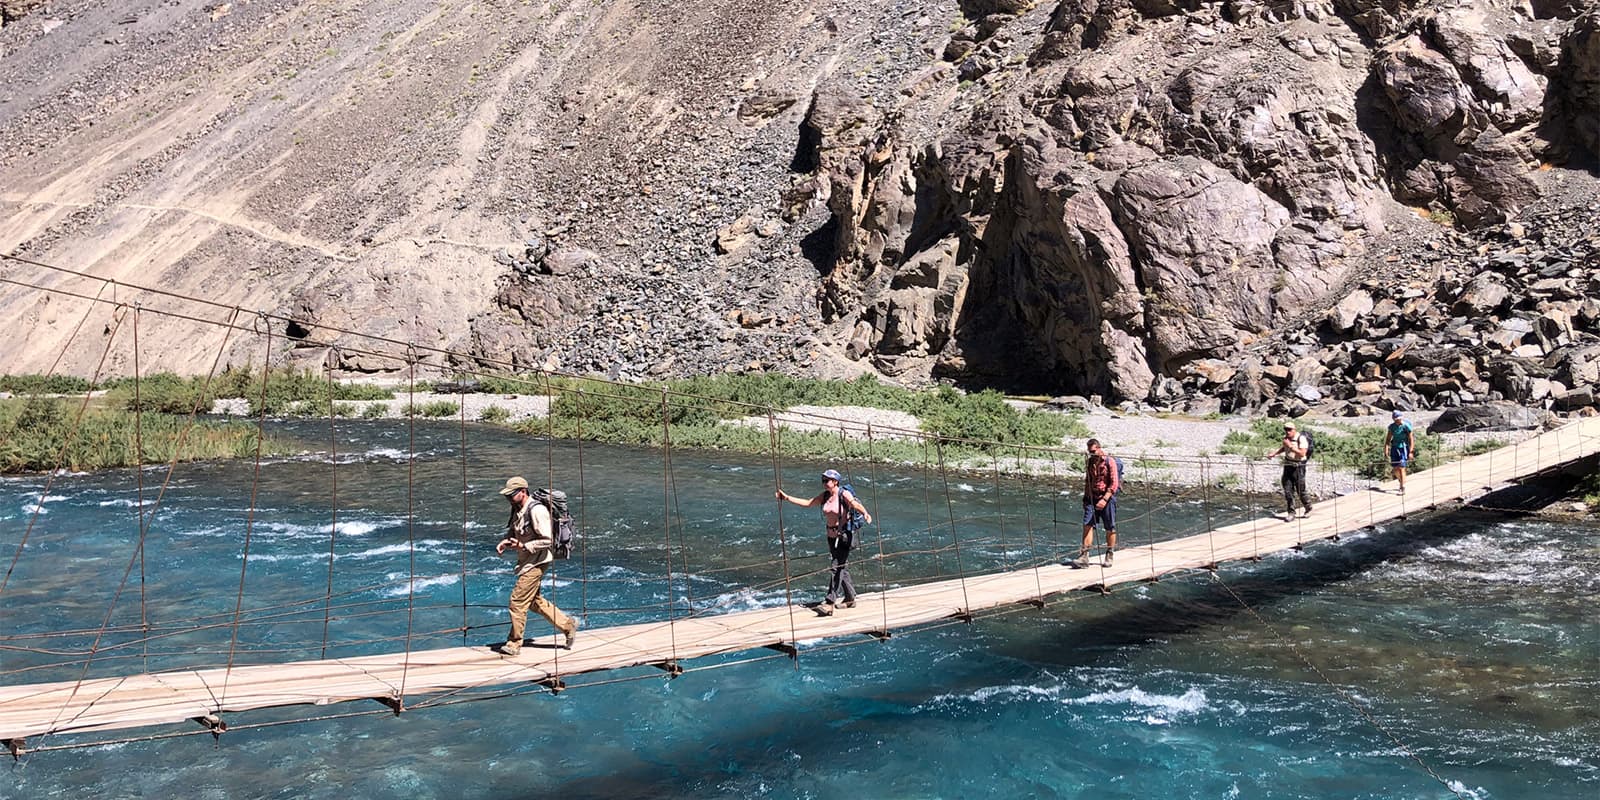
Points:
x=511 y=649
x=1402 y=490
x=1079 y=561
x=1108 y=558
x=572 y=635
x=825 y=610
x=1306 y=513
x=849 y=604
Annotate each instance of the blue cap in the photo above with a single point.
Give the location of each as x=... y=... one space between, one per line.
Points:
x=832 y=474
x=1396 y=414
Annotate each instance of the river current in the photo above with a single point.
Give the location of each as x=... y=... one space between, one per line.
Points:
x=1468 y=639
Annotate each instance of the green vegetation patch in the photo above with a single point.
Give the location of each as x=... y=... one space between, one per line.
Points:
x=43 y=384
x=286 y=392
x=43 y=434
x=690 y=413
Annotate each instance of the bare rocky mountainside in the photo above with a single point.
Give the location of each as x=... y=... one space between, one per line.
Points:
x=1341 y=204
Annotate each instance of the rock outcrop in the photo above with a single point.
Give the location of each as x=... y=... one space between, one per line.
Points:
x=1201 y=204
x=1164 y=186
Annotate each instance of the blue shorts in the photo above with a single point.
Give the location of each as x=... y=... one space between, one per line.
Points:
x=1399 y=456
x=1106 y=516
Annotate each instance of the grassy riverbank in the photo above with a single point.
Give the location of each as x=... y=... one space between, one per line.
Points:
x=38 y=434
x=698 y=412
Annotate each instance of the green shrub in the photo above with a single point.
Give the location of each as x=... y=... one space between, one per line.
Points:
x=1482 y=446
x=42 y=434
x=42 y=384
x=1589 y=488
x=163 y=392
x=440 y=408
x=495 y=414
x=286 y=387
x=374 y=410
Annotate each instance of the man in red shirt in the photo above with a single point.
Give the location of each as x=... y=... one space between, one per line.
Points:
x=1100 y=486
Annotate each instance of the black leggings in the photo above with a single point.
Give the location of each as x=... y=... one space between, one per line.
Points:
x=839 y=583
x=1294 y=482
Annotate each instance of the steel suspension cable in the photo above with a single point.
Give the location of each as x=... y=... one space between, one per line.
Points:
x=1205 y=499
x=1000 y=509
x=250 y=517
x=883 y=573
x=966 y=603
x=464 y=489
x=333 y=481
x=666 y=515
x=411 y=518
x=550 y=486
x=583 y=505
x=138 y=472
x=1033 y=549
x=677 y=512
x=783 y=537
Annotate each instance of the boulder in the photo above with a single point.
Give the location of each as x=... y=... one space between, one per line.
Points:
x=1350 y=310
x=1486 y=417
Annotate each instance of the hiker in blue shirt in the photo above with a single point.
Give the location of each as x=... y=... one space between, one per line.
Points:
x=836 y=503
x=1400 y=444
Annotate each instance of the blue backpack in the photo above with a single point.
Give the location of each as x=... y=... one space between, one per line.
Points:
x=853 y=519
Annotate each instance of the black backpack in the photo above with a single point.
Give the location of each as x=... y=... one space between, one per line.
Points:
x=1311 y=443
x=853 y=519
x=565 y=537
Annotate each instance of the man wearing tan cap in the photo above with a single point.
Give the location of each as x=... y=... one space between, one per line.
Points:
x=1295 y=449
x=530 y=533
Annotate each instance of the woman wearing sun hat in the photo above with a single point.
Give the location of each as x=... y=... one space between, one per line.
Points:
x=836 y=503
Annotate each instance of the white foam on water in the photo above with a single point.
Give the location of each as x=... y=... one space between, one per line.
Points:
x=995 y=694
x=418 y=584
x=33 y=508
x=54 y=498
x=1191 y=702
x=423 y=545
x=741 y=600
x=966 y=487
x=1498 y=558
x=120 y=502
x=1461 y=789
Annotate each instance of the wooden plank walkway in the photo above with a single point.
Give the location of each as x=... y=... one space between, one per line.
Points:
x=133 y=701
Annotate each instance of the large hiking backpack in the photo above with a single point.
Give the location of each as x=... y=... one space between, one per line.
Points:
x=853 y=519
x=564 y=538
x=1311 y=443
x=1120 y=470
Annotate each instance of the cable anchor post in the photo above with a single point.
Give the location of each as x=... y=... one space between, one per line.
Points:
x=395 y=702
x=215 y=724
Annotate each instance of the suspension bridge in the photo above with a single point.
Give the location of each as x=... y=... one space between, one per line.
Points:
x=419 y=678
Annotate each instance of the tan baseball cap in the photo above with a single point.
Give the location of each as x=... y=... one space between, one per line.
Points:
x=513 y=484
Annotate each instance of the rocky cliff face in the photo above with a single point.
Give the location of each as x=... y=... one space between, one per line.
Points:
x=1139 y=187
x=1141 y=199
